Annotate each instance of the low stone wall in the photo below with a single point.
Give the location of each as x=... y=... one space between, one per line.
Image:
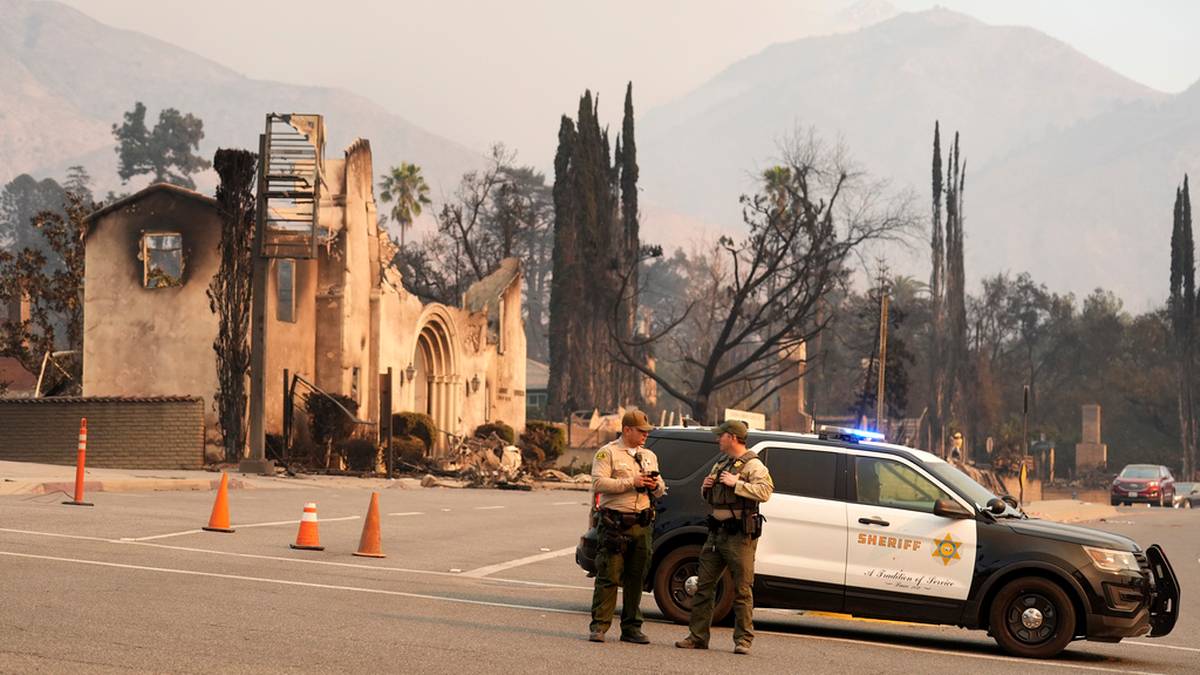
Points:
x=165 y=432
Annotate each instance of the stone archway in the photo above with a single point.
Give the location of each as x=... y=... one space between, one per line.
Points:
x=436 y=383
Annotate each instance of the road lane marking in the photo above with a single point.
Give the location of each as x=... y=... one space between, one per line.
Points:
x=235 y=526
x=289 y=582
x=55 y=534
x=556 y=610
x=1151 y=644
x=567 y=503
x=408 y=513
x=162 y=536
x=487 y=508
x=499 y=567
x=190 y=549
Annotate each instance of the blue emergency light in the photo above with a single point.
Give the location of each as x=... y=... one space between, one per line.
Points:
x=849 y=434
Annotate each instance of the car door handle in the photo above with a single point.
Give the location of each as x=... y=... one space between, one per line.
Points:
x=874 y=521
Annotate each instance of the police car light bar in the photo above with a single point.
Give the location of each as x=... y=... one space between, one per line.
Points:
x=849 y=434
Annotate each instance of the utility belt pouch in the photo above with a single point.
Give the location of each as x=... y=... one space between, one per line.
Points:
x=752 y=524
x=645 y=517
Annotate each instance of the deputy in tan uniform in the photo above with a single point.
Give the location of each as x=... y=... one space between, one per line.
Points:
x=734 y=488
x=625 y=476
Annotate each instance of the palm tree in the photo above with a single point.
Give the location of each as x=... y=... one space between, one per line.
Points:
x=405 y=186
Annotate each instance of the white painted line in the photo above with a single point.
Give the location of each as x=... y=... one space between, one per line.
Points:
x=55 y=534
x=302 y=561
x=288 y=582
x=556 y=610
x=235 y=526
x=408 y=513
x=568 y=503
x=487 y=508
x=445 y=510
x=1151 y=644
x=161 y=536
x=295 y=522
x=484 y=571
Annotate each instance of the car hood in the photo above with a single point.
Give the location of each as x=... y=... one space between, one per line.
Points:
x=1074 y=534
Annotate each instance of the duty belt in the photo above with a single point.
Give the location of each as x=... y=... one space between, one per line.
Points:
x=625 y=520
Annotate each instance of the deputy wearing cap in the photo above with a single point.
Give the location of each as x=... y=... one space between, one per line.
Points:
x=734 y=488
x=625 y=476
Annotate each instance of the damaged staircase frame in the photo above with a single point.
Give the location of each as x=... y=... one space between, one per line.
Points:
x=289 y=185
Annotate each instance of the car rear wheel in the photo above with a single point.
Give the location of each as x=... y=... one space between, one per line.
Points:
x=1032 y=617
x=670 y=578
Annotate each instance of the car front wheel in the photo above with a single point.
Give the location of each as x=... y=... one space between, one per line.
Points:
x=670 y=580
x=1032 y=617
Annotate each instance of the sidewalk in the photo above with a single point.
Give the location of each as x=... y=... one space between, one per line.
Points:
x=27 y=478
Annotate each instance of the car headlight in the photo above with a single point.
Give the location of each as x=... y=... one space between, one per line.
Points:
x=1112 y=561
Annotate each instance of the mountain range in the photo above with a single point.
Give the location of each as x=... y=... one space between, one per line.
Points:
x=74 y=77
x=1034 y=115
x=1071 y=167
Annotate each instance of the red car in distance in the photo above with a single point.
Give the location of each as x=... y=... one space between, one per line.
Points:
x=1143 y=483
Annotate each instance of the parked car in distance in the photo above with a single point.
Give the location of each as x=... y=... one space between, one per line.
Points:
x=1143 y=483
x=1187 y=496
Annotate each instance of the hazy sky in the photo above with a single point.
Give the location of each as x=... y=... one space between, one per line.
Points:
x=478 y=71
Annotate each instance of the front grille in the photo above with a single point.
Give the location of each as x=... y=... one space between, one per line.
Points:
x=1144 y=565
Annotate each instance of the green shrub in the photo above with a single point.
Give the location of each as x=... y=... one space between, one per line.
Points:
x=415 y=424
x=328 y=422
x=549 y=438
x=408 y=448
x=499 y=428
x=360 y=454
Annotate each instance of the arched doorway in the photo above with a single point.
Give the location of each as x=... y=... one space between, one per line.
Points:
x=435 y=384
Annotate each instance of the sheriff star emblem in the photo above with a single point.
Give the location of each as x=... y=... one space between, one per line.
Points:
x=946 y=549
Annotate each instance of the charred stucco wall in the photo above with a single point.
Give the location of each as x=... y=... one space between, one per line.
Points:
x=150 y=342
x=292 y=344
x=508 y=371
x=360 y=241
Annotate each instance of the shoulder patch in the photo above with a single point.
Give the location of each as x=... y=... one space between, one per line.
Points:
x=603 y=454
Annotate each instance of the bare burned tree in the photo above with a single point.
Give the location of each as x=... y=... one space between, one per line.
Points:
x=812 y=215
x=229 y=293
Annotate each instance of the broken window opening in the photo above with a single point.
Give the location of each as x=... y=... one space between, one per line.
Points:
x=162 y=259
x=285 y=290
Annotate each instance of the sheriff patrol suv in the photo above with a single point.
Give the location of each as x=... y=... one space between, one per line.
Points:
x=863 y=527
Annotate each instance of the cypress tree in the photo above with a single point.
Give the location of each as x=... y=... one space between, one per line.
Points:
x=595 y=201
x=562 y=287
x=936 y=294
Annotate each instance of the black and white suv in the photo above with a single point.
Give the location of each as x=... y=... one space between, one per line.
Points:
x=885 y=531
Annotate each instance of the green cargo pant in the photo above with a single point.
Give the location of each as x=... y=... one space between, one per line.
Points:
x=721 y=550
x=626 y=570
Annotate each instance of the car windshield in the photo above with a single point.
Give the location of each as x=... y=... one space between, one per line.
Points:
x=1140 y=472
x=962 y=484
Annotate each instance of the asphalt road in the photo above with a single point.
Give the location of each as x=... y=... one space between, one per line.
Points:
x=474 y=581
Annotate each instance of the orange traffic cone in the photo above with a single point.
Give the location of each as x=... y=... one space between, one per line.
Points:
x=80 y=460
x=368 y=544
x=219 y=520
x=308 y=538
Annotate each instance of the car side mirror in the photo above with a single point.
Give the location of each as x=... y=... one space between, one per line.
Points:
x=997 y=506
x=1011 y=501
x=948 y=508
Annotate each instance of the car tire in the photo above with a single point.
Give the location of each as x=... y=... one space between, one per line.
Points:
x=1160 y=500
x=672 y=599
x=1032 y=617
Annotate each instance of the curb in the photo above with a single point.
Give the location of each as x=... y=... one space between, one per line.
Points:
x=134 y=485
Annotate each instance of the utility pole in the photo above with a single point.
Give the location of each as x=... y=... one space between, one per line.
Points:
x=257 y=461
x=1024 y=439
x=880 y=410
x=880 y=402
